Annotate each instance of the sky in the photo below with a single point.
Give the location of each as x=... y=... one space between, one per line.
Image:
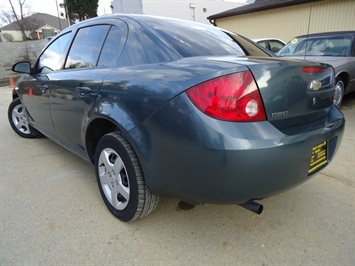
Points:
x=50 y=6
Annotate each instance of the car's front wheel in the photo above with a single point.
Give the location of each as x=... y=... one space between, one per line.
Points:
x=339 y=92
x=120 y=179
x=18 y=120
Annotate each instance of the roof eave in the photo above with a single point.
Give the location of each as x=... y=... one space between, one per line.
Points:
x=256 y=8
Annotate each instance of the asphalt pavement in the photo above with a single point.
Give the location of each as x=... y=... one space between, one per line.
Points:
x=52 y=214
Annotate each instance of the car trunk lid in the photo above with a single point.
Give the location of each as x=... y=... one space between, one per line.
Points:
x=294 y=92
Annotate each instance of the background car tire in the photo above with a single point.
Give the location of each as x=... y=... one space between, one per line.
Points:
x=339 y=92
x=120 y=179
x=18 y=120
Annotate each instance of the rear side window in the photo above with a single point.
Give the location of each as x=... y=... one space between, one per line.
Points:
x=142 y=47
x=86 y=47
x=113 y=44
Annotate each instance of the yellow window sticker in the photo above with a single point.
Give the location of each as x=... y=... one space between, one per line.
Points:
x=294 y=41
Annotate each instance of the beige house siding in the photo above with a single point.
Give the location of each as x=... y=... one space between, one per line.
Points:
x=287 y=22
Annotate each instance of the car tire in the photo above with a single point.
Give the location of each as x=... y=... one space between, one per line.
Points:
x=120 y=179
x=18 y=120
x=339 y=92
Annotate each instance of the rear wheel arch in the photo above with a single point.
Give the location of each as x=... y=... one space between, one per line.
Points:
x=106 y=140
x=95 y=131
x=341 y=83
x=344 y=77
x=121 y=180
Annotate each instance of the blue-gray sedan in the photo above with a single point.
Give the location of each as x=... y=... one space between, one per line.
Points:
x=171 y=108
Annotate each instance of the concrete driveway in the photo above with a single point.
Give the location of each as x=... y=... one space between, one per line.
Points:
x=52 y=214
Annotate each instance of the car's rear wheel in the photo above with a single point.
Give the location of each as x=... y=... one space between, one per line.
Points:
x=339 y=92
x=120 y=179
x=18 y=120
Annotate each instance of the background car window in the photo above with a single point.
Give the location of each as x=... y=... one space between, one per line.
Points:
x=86 y=47
x=339 y=47
x=113 y=42
x=263 y=44
x=321 y=46
x=52 y=59
x=275 y=46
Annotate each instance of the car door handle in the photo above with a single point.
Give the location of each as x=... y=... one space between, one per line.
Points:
x=83 y=90
x=44 y=88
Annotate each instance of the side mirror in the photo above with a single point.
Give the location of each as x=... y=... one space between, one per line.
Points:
x=22 y=67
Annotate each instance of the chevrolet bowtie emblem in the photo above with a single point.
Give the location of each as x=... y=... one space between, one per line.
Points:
x=315 y=85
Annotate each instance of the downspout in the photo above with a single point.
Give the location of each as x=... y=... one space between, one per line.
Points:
x=212 y=21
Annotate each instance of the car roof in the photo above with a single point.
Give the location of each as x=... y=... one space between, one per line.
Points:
x=136 y=17
x=139 y=18
x=266 y=39
x=330 y=33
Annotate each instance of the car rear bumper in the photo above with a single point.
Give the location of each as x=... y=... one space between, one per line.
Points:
x=188 y=155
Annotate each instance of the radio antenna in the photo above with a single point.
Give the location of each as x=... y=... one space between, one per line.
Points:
x=309 y=25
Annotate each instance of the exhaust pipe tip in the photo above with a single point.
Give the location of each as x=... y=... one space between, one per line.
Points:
x=253 y=206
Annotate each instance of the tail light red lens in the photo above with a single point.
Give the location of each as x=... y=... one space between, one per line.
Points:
x=233 y=97
x=312 y=69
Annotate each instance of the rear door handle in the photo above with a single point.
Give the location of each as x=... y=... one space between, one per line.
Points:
x=83 y=90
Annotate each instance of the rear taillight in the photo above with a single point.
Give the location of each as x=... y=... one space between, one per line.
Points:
x=312 y=69
x=233 y=97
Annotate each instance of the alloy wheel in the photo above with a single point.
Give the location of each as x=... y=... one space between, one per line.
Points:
x=114 y=179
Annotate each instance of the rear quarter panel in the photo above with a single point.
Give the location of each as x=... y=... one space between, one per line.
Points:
x=129 y=95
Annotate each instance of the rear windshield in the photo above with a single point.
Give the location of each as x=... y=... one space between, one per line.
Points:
x=195 y=39
x=319 y=46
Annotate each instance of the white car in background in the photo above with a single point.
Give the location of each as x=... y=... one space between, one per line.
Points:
x=272 y=44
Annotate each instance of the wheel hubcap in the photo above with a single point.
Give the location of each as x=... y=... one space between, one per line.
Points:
x=20 y=120
x=338 y=94
x=114 y=179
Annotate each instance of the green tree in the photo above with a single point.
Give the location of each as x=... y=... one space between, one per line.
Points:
x=81 y=9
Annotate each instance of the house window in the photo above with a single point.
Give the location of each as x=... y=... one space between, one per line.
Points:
x=48 y=33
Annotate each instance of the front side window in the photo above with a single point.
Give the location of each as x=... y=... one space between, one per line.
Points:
x=52 y=59
x=86 y=47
